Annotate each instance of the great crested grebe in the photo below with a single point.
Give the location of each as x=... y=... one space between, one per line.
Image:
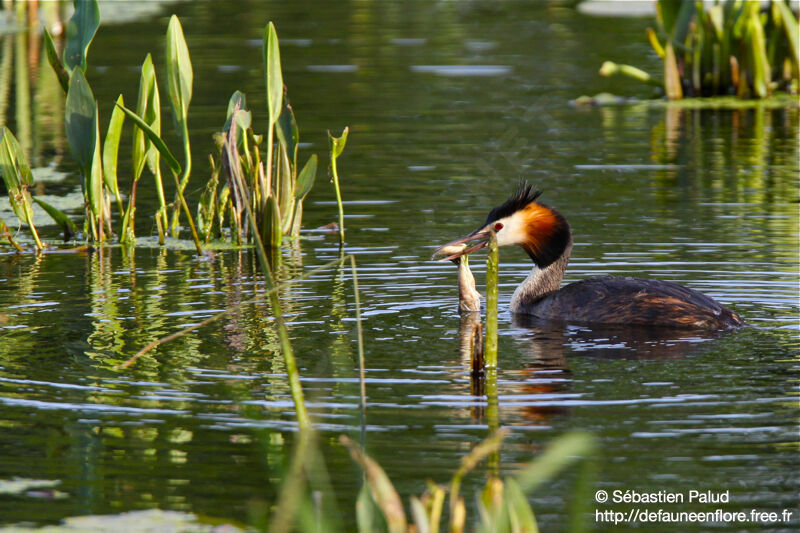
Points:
x=545 y=235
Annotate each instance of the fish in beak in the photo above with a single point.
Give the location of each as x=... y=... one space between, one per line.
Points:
x=465 y=245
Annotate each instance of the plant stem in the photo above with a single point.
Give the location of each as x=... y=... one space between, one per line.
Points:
x=189 y=218
x=492 y=262
x=338 y=198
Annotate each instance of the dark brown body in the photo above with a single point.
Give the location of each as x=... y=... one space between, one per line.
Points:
x=633 y=301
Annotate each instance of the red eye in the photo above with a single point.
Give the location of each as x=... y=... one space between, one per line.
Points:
x=498 y=226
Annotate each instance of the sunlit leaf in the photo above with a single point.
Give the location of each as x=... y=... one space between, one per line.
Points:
x=148 y=107
x=111 y=148
x=305 y=180
x=180 y=76
x=274 y=76
x=154 y=138
x=243 y=116
x=337 y=144
x=80 y=32
x=791 y=30
x=272 y=224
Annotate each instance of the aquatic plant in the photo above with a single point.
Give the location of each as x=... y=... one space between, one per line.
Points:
x=502 y=504
x=337 y=145
x=725 y=48
x=274 y=188
x=18 y=179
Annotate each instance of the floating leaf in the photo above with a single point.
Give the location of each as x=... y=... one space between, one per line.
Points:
x=80 y=32
x=274 y=76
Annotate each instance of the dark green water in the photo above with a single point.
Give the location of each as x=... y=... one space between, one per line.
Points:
x=205 y=424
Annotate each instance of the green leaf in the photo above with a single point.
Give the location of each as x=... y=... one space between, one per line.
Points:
x=80 y=115
x=80 y=32
x=380 y=487
x=55 y=62
x=180 y=76
x=790 y=27
x=305 y=181
x=559 y=454
x=274 y=76
x=67 y=225
x=17 y=176
x=758 y=55
x=111 y=148
x=243 y=118
x=288 y=132
x=148 y=106
x=337 y=144
x=154 y=138
x=519 y=508
x=15 y=168
x=675 y=17
x=95 y=173
x=271 y=230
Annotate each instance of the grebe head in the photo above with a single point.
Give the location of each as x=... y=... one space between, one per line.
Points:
x=540 y=230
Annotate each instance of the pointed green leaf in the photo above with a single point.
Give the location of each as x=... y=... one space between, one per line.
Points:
x=790 y=27
x=274 y=76
x=518 y=507
x=15 y=168
x=559 y=453
x=288 y=132
x=55 y=62
x=60 y=218
x=80 y=32
x=154 y=138
x=305 y=181
x=148 y=106
x=111 y=148
x=80 y=114
x=271 y=232
x=243 y=117
x=180 y=76
x=337 y=144
x=95 y=173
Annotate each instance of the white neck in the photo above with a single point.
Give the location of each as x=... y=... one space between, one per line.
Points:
x=541 y=281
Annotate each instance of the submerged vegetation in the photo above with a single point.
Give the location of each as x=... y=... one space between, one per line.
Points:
x=729 y=48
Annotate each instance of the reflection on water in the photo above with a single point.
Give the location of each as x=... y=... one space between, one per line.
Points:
x=706 y=198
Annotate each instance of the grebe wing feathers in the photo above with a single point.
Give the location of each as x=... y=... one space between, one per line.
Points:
x=623 y=300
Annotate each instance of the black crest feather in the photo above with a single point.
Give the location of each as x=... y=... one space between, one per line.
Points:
x=524 y=195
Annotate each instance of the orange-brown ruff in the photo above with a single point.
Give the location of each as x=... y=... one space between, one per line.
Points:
x=545 y=235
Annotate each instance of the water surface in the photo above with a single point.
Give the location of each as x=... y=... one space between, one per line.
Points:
x=448 y=104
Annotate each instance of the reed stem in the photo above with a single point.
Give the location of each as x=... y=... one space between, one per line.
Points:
x=338 y=198
x=492 y=261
